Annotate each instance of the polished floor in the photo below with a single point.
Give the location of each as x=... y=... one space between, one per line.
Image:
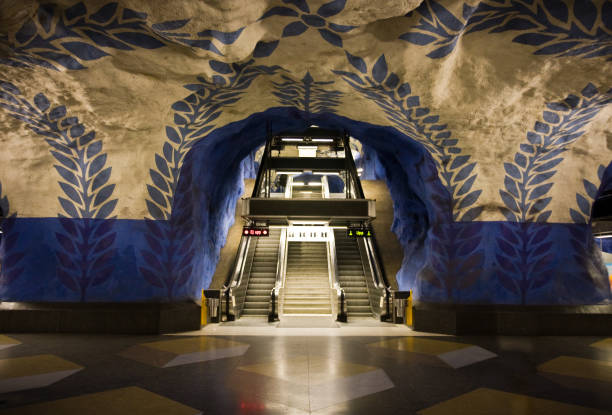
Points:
x=252 y=367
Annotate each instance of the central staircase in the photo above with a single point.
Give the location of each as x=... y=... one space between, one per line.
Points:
x=307 y=289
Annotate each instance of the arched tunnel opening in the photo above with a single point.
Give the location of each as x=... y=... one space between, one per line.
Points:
x=228 y=152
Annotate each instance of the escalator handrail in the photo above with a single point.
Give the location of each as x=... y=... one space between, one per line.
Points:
x=262 y=168
x=378 y=260
x=351 y=167
x=242 y=250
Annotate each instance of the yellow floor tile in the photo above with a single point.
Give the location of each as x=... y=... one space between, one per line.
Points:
x=323 y=370
x=306 y=370
x=485 y=401
x=579 y=367
x=34 y=365
x=605 y=344
x=293 y=370
x=130 y=400
x=420 y=345
x=7 y=341
x=192 y=345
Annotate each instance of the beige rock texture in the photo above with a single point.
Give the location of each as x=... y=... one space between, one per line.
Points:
x=489 y=91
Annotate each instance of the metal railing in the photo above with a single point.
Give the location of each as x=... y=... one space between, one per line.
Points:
x=277 y=290
x=337 y=292
x=234 y=289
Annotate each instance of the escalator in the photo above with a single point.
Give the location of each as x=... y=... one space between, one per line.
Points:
x=307 y=289
x=262 y=275
x=351 y=275
x=307 y=265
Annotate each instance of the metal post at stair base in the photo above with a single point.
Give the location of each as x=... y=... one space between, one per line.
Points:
x=399 y=306
x=342 y=316
x=272 y=315
x=213 y=301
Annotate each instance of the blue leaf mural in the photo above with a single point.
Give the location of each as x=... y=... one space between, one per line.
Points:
x=549 y=26
x=456 y=255
x=307 y=95
x=169 y=234
x=528 y=176
x=85 y=250
x=329 y=31
x=405 y=112
x=11 y=258
x=57 y=38
x=526 y=253
x=584 y=200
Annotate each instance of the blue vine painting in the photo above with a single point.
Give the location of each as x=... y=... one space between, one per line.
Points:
x=405 y=112
x=549 y=27
x=85 y=248
x=528 y=178
x=304 y=20
x=69 y=38
x=307 y=95
x=584 y=200
x=11 y=257
x=527 y=252
x=170 y=242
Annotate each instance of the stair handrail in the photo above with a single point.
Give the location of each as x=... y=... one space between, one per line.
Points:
x=334 y=278
x=378 y=270
x=281 y=265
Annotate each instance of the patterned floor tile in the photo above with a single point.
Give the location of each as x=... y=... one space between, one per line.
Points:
x=167 y=353
x=455 y=355
x=324 y=382
x=605 y=344
x=485 y=401
x=578 y=367
x=130 y=400
x=466 y=356
x=33 y=372
x=6 y=342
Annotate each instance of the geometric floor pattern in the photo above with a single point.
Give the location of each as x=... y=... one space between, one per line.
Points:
x=31 y=372
x=6 y=342
x=488 y=401
x=317 y=382
x=454 y=354
x=304 y=373
x=169 y=353
x=130 y=400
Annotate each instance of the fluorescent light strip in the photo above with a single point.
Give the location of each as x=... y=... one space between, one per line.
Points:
x=289 y=172
x=298 y=183
x=322 y=140
x=324 y=173
x=603 y=236
x=293 y=140
x=313 y=184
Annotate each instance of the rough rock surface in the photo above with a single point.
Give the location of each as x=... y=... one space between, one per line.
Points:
x=490 y=121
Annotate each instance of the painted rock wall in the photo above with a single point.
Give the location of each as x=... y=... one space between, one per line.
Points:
x=127 y=127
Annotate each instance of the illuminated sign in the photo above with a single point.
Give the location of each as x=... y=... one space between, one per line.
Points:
x=358 y=232
x=255 y=231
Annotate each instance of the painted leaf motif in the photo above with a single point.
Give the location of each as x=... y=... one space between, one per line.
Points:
x=84 y=51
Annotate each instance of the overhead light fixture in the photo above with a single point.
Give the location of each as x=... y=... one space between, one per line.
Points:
x=360 y=169
x=306 y=191
x=323 y=173
x=322 y=140
x=298 y=183
x=292 y=139
x=289 y=172
x=603 y=236
x=314 y=184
